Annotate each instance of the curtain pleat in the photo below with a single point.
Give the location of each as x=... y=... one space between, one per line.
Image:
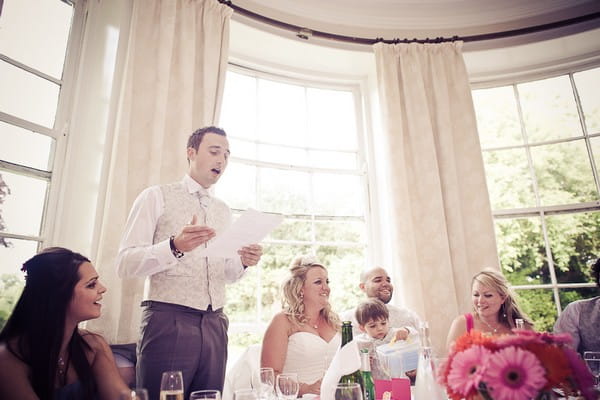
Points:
x=442 y=224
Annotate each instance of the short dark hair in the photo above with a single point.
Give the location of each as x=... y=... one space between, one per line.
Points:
x=596 y=272
x=196 y=138
x=371 y=310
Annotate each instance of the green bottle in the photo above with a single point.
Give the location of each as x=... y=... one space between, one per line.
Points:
x=365 y=370
x=356 y=376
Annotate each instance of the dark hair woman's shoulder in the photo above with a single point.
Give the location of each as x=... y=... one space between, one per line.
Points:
x=94 y=340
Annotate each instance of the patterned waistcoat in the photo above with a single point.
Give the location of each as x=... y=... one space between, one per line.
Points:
x=192 y=282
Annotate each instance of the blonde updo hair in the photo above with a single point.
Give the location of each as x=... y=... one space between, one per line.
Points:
x=509 y=310
x=293 y=302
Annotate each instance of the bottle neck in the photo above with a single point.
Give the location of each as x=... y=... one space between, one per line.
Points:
x=365 y=362
x=346 y=334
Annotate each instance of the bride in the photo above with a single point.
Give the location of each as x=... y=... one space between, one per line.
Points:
x=304 y=337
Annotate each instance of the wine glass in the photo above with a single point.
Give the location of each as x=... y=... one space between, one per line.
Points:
x=592 y=359
x=134 y=394
x=263 y=380
x=287 y=386
x=348 y=391
x=171 y=386
x=205 y=395
x=245 y=394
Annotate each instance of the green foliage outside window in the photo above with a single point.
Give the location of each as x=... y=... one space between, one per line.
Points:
x=11 y=287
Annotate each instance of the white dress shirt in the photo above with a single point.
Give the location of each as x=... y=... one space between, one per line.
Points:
x=138 y=256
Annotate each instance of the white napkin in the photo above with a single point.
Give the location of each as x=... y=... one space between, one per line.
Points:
x=345 y=361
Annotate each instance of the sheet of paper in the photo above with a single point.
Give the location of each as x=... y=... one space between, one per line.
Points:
x=251 y=227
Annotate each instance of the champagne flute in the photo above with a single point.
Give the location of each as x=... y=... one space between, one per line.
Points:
x=263 y=381
x=287 y=386
x=245 y=394
x=348 y=391
x=205 y=395
x=171 y=386
x=134 y=394
x=592 y=359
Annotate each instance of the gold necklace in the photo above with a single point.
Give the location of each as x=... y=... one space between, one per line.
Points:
x=494 y=330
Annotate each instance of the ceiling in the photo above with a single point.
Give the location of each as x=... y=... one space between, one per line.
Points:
x=390 y=19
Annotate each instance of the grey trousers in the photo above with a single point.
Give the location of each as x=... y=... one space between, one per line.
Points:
x=175 y=337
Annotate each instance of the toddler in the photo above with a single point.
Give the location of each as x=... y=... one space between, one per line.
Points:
x=373 y=321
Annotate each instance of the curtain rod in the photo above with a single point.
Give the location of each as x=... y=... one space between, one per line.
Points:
x=306 y=33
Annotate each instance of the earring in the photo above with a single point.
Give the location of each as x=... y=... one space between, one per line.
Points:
x=503 y=310
x=301 y=296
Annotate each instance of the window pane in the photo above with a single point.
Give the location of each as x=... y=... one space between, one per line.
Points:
x=282 y=155
x=331 y=119
x=340 y=231
x=27 y=96
x=20 y=146
x=12 y=279
x=588 y=87
x=344 y=265
x=242 y=148
x=293 y=229
x=549 y=109
x=574 y=241
x=332 y=159
x=237 y=186
x=283 y=191
x=281 y=113
x=274 y=265
x=332 y=193
x=40 y=43
x=563 y=173
x=15 y=254
x=509 y=181
x=595 y=142
x=238 y=116
x=539 y=305
x=521 y=250
x=243 y=298
x=24 y=205
x=497 y=117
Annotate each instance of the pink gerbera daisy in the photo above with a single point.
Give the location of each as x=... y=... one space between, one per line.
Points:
x=514 y=374
x=467 y=369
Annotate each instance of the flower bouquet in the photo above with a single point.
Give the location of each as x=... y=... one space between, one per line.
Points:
x=523 y=366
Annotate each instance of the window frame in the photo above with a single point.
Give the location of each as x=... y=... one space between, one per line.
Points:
x=542 y=211
x=355 y=85
x=59 y=132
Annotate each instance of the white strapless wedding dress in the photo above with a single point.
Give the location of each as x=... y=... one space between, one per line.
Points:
x=309 y=355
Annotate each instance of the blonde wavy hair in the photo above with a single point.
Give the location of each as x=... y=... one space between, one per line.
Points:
x=293 y=303
x=509 y=310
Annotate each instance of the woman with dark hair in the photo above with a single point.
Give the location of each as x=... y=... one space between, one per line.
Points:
x=495 y=308
x=303 y=337
x=43 y=353
x=581 y=319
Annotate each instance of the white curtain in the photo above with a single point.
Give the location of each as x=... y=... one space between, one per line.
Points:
x=442 y=226
x=173 y=84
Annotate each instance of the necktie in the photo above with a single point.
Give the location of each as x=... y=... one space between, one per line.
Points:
x=204 y=199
